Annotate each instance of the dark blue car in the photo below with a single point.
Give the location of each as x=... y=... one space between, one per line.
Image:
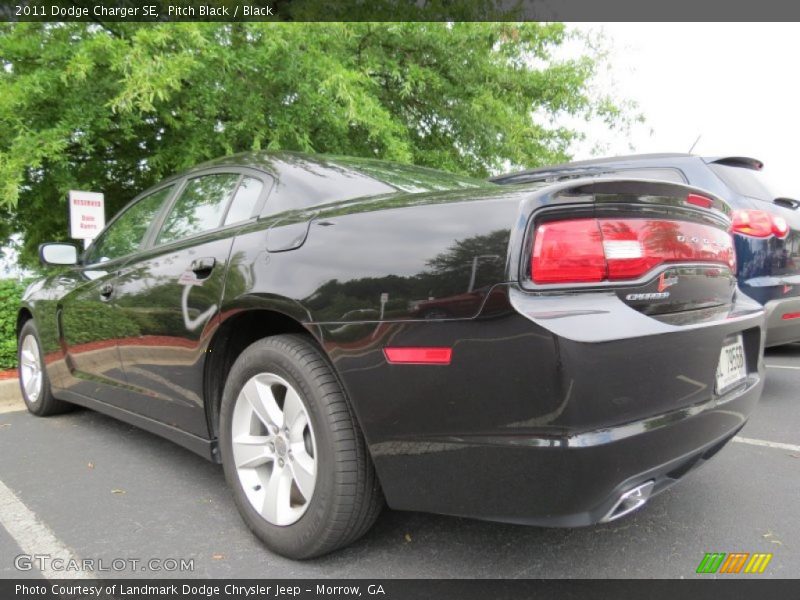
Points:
x=766 y=225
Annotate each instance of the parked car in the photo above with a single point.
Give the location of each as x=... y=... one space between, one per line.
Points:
x=610 y=355
x=766 y=224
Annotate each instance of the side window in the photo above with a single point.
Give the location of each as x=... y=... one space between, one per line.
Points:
x=244 y=202
x=124 y=235
x=199 y=208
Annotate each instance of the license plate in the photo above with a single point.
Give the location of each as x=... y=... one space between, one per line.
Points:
x=732 y=368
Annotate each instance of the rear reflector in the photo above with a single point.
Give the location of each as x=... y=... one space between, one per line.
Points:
x=759 y=223
x=594 y=250
x=420 y=356
x=789 y=316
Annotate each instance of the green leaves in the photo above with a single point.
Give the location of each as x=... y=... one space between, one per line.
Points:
x=116 y=109
x=10 y=294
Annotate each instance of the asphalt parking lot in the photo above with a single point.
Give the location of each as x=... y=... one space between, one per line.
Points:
x=90 y=487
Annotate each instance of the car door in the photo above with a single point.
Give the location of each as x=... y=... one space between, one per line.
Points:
x=90 y=325
x=173 y=290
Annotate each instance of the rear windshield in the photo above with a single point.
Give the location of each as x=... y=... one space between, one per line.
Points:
x=409 y=178
x=747 y=182
x=305 y=181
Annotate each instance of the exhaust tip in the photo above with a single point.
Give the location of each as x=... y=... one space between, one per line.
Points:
x=630 y=501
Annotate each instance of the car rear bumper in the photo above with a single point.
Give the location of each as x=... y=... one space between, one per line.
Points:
x=783 y=321
x=549 y=411
x=563 y=481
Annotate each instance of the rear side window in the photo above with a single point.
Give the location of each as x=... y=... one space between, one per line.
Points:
x=124 y=235
x=244 y=202
x=199 y=208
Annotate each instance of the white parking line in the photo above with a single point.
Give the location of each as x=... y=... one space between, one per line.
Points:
x=34 y=537
x=778 y=445
x=782 y=367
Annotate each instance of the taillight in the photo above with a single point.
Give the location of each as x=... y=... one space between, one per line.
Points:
x=759 y=223
x=594 y=250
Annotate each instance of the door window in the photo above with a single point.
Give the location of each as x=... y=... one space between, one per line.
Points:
x=199 y=208
x=124 y=235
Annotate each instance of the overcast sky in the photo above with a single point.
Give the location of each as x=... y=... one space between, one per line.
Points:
x=736 y=85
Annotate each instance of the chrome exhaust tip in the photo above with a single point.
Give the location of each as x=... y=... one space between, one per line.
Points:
x=630 y=501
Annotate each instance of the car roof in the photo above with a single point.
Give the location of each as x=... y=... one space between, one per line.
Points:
x=289 y=164
x=302 y=180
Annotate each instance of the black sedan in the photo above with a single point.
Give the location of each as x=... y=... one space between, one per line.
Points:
x=339 y=332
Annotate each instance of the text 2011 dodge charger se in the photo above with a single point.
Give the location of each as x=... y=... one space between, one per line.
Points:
x=584 y=345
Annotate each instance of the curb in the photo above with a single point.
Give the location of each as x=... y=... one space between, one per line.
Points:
x=10 y=396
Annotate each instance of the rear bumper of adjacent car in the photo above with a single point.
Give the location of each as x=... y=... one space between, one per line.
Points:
x=550 y=413
x=783 y=321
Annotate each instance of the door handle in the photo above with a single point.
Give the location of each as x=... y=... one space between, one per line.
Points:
x=203 y=266
x=106 y=290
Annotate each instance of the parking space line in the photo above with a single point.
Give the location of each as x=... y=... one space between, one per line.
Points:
x=778 y=445
x=782 y=367
x=34 y=537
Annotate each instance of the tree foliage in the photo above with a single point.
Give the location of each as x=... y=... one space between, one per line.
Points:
x=10 y=293
x=115 y=108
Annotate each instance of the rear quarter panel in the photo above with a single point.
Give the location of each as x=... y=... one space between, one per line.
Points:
x=380 y=259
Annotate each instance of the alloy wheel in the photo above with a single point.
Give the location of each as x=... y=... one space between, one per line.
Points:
x=30 y=367
x=274 y=449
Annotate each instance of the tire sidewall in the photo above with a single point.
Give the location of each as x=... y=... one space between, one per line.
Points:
x=290 y=540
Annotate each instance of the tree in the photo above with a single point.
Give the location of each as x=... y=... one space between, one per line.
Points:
x=117 y=107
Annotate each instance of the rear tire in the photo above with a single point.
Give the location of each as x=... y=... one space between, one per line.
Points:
x=33 y=381
x=293 y=452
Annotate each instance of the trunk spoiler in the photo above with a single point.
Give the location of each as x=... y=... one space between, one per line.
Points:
x=736 y=161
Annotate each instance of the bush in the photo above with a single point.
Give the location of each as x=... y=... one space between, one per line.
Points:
x=10 y=293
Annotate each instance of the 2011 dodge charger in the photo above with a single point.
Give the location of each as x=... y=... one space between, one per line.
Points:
x=340 y=331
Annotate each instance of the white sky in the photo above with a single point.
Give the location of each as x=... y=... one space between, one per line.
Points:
x=735 y=84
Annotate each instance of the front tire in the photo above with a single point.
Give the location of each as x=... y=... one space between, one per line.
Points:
x=292 y=450
x=33 y=381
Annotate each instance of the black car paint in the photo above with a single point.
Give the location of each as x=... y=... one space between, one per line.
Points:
x=768 y=269
x=555 y=402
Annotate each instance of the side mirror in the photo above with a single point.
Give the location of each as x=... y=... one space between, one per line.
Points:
x=58 y=254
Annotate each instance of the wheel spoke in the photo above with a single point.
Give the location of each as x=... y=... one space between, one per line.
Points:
x=30 y=386
x=28 y=357
x=263 y=403
x=297 y=428
x=292 y=408
x=303 y=470
x=277 y=508
x=251 y=451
